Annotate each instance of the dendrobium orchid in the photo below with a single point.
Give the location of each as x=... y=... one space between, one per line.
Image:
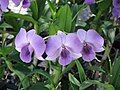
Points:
x=91 y=42
x=27 y=43
x=64 y=47
x=25 y=3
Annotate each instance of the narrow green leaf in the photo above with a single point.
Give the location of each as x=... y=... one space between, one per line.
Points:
x=81 y=72
x=5 y=25
x=38 y=86
x=34 y=9
x=73 y=80
x=24 y=80
x=88 y=83
x=116 y=73
x=52 y=8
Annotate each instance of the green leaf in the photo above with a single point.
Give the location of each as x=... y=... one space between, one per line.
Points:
x=5 y=25
x=14 y=22
x=108 y=87
x=88 y=83
x=6 y=50
x=116 y=73
x=96 y=68
x=34 y=9
x=81 y=72
x=53 y=29
x=73 y=80
x=24 y=80
x=52 y=8
x=24 y=17
x=38 y=86
x=1 y=71
x=64 y=18
x=41 y=5
x=103 y=6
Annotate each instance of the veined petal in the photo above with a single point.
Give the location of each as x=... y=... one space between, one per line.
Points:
x=53 y=44
x=4 y=4
x=21 y=40
x=26 y=53
x=81 y=35
x=65 y=57
x=37 y=43
x=73 y=43
x=88 y=54
x=26 y=4
x=95 y=39
x=17 y=2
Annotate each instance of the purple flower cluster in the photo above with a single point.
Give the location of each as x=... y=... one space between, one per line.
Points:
x=116 y=10
x=25 y=3
x=4 y=4
x=64 y=47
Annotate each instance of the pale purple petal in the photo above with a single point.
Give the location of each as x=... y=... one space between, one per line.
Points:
x=73 y=43
x=88 y=54
x=95 y=39
x=81 y=35
x=53 y=44
x=37 y=43
x=4 y=4
x=65 y=57
x=55 y=55
x=26 y=4
x=26 y=53
x=17 y=2
x=21 y=40
x=62 y=35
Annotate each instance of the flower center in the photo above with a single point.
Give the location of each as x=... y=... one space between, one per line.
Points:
x=86 y=48
x=64 y=52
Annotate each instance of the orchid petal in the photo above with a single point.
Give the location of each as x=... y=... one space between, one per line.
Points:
x=73 y=43
x=26 y=4
x=53 y=44
x=4 y=4
x=37 y=43
x=26 y=53
x=88 y=56
x=17 y=2
x=81 y=35
x=21 y=40
x=65 y=57
x=95 y=39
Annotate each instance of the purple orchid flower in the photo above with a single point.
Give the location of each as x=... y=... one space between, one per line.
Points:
x=89 y=1
x=62 y=46
x=27 y=43
x=3 y=6
x=91 y=42
x=25 y=3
